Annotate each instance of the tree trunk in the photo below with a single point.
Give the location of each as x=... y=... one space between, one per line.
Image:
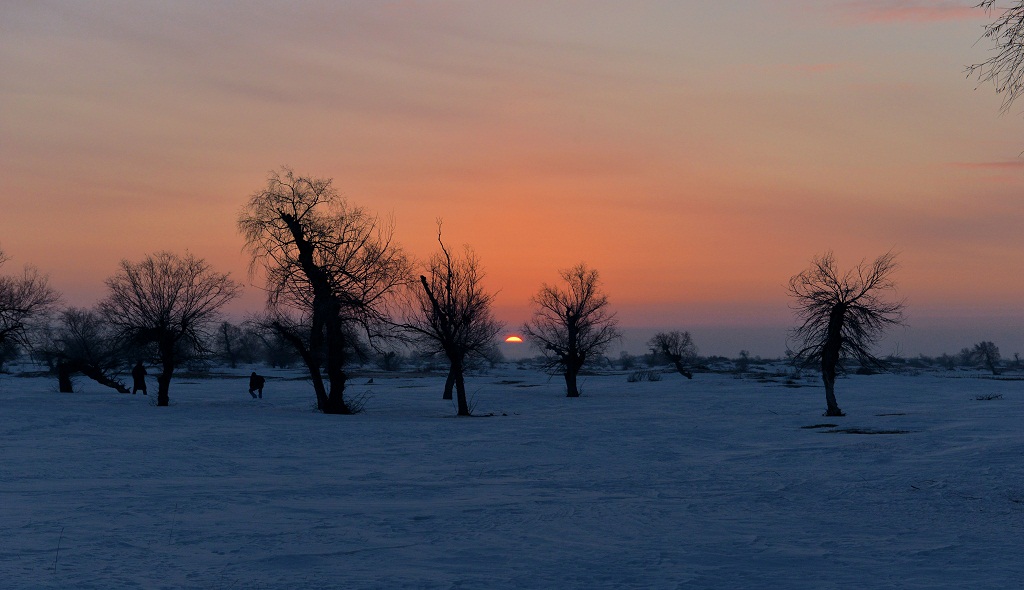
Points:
x=456 y=374
x=992 y=365
x=167 y=361
x=682 y=370
x=232 y=356
x=313 y=366
x=67 y=368
x=336 y=397
x=460 y=390
x=573 y=362
x=336 y=405
x=64 y=384
x=163 y=381
x=335 y=364
x=311 y=358
x=96 y=374
x=319 y=389
x=830 y=359
x=324 y=319
x=828 y=376
x=449 y=383
x=570 y=382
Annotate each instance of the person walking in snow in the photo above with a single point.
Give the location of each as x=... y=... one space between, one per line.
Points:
x=139 y=378
x=256 y=384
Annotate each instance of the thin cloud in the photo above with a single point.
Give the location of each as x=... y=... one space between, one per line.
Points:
x=815 y=69
x=910 y=11
x=1001 y=165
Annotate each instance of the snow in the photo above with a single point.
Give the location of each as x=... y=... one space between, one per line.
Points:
x=709 y=483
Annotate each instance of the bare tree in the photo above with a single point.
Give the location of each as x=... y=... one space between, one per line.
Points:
x=677 y=347
x=572 y=325
x=842 y=315
x=275 y=350
x=84 y=343
x=166 y=302
x=331 y=269
x=1005 y=68
x=234 y=344
x=452 y=315
x=742 y=362
x=226 y=343
x=24 y=299
x=965 y=358
x=986 y=353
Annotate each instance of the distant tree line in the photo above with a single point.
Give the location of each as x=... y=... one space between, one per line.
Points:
x=340 y=291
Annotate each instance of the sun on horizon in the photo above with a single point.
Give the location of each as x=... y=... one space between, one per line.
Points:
x=514 y=339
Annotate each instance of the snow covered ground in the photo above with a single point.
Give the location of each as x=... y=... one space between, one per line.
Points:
x=712 y=483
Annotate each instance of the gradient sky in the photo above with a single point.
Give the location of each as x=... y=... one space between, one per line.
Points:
x=696 y=153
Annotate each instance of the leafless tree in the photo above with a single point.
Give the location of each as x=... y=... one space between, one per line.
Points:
x=677 y=347
x=452 y=315
x=276 y=351
x=24 y=299
x=234 y=344
x=842 y=315
x=331 y=270
x=84 y=343
x=986 y=353
x=226 y=343
x=1005 y=68
x=166 y=302
x=965 y=358
x=742 y=362
x=572 y=325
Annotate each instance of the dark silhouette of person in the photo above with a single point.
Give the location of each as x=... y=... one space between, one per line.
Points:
x=256 y=384
x=139 y=378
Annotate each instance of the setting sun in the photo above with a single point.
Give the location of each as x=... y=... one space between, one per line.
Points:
x=514 y=339
x=644 y=126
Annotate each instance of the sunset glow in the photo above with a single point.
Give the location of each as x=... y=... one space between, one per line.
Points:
x=514 y=339
x=697 y=154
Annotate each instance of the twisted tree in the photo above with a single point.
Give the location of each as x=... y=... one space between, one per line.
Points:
x=452 y=315
x=677 y=347
x=331 y=271
x=85 y=343
x=572 y=325
x=842 y=315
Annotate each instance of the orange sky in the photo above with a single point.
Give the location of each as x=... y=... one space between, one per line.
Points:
x=697 y=154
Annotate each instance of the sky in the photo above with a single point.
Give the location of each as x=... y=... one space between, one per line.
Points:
x=697 y=154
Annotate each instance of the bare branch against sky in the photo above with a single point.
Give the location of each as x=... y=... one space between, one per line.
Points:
x=691 y=146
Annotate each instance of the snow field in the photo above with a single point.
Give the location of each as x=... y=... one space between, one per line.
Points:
x=709 y=483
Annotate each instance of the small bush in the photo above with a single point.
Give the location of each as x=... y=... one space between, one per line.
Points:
x=643 y=375
x=357 y=403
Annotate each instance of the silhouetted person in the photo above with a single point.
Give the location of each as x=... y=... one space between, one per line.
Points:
x=256 y=384
x=139 y=378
